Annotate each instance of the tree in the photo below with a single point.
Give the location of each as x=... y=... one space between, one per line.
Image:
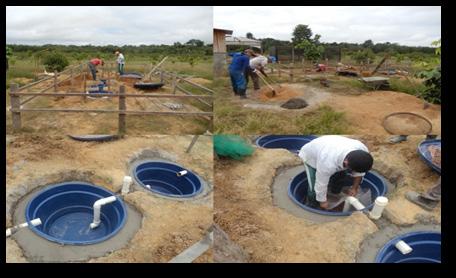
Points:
x=368 y=44
x=55 y=62
x=249 y=36
x=195 y=42
x=363 y=56
x=312 y=51
x=300 y=33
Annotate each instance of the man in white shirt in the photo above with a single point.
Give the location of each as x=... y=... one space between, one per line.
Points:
x=333 y=162
x=256 y=64
x=120 y=62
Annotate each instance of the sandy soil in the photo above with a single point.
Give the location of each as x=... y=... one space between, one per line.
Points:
x=245 y=211
x=367 y=111
x=96 y=123
x=364 y=111
x=168 y=226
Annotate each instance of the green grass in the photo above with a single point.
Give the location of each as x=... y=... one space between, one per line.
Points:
x=231 y=119
x=410 y=86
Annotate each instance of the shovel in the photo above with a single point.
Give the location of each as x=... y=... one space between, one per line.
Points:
x=270 y=87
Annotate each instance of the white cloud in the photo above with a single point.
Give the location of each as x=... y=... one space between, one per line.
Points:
x=101 y=25
x=417 y=26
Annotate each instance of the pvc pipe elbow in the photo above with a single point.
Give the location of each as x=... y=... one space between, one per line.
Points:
x=97 y=210
x=354 y=202
x=403 y=247
x=182 y=173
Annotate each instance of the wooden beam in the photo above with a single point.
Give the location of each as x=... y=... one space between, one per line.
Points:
x=156 y=66
x=150 y=95
x=127 y=112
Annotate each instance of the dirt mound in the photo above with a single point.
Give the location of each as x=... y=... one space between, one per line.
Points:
x=282 y=93
x=407 y=124
x=295 y=103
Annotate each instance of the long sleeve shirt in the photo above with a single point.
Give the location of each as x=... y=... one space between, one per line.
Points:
x=239 y=63
x=327 y=154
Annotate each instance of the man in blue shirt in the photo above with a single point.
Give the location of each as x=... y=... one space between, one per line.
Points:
x=237 y=69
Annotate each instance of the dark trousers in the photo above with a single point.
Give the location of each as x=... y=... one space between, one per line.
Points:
x=255 y=79
x=336 y=183
x=93 y=70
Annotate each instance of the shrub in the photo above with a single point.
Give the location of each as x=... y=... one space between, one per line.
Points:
x=55 y=62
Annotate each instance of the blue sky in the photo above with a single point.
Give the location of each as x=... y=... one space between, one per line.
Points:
x=413 y=26
x=102 y=25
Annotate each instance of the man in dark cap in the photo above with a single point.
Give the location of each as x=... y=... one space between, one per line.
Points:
x=334 y=162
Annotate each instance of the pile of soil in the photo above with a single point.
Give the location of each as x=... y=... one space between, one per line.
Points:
x=406 y=124
x=282 y=93
x=295 y=103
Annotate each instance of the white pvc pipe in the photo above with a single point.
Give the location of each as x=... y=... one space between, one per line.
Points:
x=379 y=205
x=97 y=210
x=403 y=247
x=34 y=222
x=126 y=185
x=352 y=201
x=181 y=173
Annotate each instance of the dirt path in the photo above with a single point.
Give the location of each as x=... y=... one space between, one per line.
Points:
x=168 y=226
x=245 y=211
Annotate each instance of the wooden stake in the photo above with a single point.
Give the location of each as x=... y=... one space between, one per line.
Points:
x=122 y=108
x=15 y=105
x=55 y=81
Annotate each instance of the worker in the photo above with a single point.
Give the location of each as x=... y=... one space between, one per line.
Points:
x=120 y=62
x=93 y=64
x=320 y=67
x=333 y=162
x=256 y=65
x=428 y=200
x=237 y=69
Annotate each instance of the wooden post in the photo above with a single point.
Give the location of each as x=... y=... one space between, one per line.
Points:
x=16 y=105
x=55 y=81
x=291 y=74
x=72 y=78
x=174 y=83
x=122 y=108
x=292 y=55
x=195 y=137
x=278 y=68
x=161 y=77
x=84 y=82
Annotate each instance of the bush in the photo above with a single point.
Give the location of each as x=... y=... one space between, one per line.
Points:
x=55 y=62
x=432 y=81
